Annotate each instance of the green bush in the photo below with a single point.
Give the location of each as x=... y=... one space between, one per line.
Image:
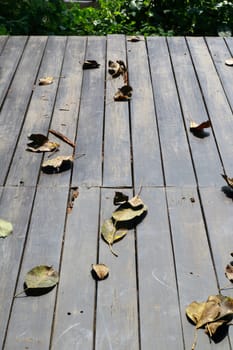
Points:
x=147 y=17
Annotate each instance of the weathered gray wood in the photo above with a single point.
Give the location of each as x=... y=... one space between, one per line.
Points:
x=25 y=166
x=219 y=53
x=3 y=40
x=218 y=214
x=66 y=107
x=16 y=102
x=74 y=319
x=195 y=273
x=158 y=297
x=215 y=99
x=31 y=317
x=9 y=59
x=176 y=158
x=116 y=314
x=145 y=143
x=88 y=169
x=117 y=158
x=15 y=206
x=204 y=150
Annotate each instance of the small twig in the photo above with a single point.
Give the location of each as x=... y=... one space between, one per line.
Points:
x=62 y=137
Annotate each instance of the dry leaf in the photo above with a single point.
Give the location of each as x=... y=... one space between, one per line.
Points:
x=90 y=64
x=212 y=314
x=229 y=271
x=130 y=213
x=46 y=81
x=100 y=271
x=120 y=198
x=228 y=180
x=124 y=93
x=110 y=234
x=198 y=127
x=40 y=143
x=6 y=228
x=73 y=194
x=134 y=39
x=229 y=62
x=116 y=68
x=41 y=277
x=57 y=165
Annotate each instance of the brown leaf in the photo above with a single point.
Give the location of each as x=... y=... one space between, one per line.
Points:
x=57 y=165
x=124 y=93
x=100 y=271
x=46 y=81
x=62 y=137
x=212 y=314
x=229 y=62
x=110 y=234
x=228 y=180
x=73 y=194
x=116 y=68
x=40 y=143
x=229 y=271
x=90 y=64
x=120 y=198
x=198 y=127
x=134 y=39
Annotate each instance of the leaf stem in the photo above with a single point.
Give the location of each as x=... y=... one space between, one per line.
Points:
x=195 y=340
x=112 y=251
x=23 y=291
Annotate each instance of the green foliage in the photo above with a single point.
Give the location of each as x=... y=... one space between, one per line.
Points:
x=146 y=17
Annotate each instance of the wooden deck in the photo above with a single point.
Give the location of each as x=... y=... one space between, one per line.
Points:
x=178 y=253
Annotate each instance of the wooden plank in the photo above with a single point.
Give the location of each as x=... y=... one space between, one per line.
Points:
x=31 y=317
x=16 y=102
x=9 y=59
x=215 y=98
x=145 y=142
x=3 y=40
x=25 y=166
x=194 y=268
x=66 y=109
x=220 y=52
x=88 y=169
x=217 y=206
x=15 y=206
x=158 y=297
x=204 y=150
x=74 y=320
x=117 y=158
x=176 y=157
x=117 y=314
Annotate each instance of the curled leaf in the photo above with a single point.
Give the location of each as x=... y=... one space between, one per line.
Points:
x=229 y=62
x=100 y=271
x=212 y=314
x=120 y=198
x=6 y=228
x=130 y=213
x=198 y=127
x=57 y=165
x=228 y=180
x=110 y=234
x=46 y=81
x=229 y=271
x=124 y=93
x=40 y=143
x=41 y=276
x=90 y=64
x=134 y=39
x=116 y=68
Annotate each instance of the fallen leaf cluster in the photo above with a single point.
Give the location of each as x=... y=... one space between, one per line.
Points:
x=214 y=313
x=117 y=69
x=126 y=216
